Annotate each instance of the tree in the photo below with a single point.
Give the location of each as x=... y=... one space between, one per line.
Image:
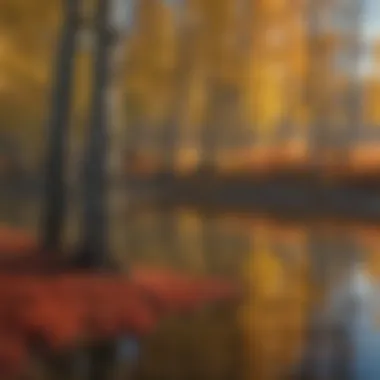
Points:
x=58 y=132
x=224 y=50
x=28 y=50
x=278 y=66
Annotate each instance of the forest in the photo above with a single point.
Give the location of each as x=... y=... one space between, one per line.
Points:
x=218 y=78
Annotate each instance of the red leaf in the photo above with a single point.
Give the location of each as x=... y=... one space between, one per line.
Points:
x=178 y=292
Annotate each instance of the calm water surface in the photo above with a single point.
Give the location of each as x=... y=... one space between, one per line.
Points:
x=312 y=307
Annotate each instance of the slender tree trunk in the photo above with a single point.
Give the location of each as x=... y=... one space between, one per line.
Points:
x=55 y=200
x=117 y=200
x=117 y=112
x=94 y=252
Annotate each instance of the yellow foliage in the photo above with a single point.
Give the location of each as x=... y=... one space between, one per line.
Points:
x=268 y=97
x=152 y=60
x=371 y=102
x=271 y=7
x=278 y=66
x=28 y=31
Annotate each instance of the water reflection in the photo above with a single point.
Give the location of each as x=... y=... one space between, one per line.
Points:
x=312 y=307
x=310 y=310
x=354 y=305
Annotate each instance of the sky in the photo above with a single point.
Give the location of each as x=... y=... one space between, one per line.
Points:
x=371 y=30
x=371 y=18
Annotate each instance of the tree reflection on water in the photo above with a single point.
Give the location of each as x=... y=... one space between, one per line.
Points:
x=311 y=309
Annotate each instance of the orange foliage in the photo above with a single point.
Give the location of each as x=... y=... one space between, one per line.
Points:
x=182 y=293
x=66 y=309
x=14 y=242
x=13 y=353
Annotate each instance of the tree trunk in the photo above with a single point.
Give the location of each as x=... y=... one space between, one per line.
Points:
x=94 y=252
x=58 y=131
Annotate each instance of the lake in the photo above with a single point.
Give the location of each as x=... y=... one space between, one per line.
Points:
x=312 y=303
